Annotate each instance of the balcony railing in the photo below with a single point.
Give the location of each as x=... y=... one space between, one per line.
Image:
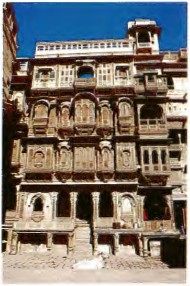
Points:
x=104 y=222
x=139 y=87
x=49 y=83
x=38 y=122
x=85 y=83
x=123 y=81
x=152 y=125
x=144 y=45
x=156 y=168
x=157 y=225
x=78 y=47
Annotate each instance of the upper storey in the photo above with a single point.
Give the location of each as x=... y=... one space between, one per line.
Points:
x=142 y=38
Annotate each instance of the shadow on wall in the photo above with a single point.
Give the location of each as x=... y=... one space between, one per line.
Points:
x=173 y=252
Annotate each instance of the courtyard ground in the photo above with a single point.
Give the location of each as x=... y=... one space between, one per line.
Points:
x=51 y=267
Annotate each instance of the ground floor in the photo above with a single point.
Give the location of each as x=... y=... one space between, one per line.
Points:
x=51 y=267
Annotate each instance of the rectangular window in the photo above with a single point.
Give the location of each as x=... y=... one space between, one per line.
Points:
x=104 y=75
x=66 y=77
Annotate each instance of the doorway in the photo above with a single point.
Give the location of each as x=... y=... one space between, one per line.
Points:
x=84 y=208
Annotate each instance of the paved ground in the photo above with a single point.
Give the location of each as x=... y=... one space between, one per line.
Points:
x=49 y=267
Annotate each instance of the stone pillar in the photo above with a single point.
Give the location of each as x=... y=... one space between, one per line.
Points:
x=95 y=199
x=116 y=243
x=73 y=199
x=140 y=246
x=115 y=206
x=14 y=243
x=54 y=204
x=49 y=240
x=95 y=243
x=141 y=211
x=171 y=208
x=17 y=201
x=70 y=248
x=145 y=246
x=9 y=236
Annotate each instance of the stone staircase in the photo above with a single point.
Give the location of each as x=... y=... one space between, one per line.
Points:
x=83 y=246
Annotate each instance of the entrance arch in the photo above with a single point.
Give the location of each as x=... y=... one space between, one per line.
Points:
x=84 y=206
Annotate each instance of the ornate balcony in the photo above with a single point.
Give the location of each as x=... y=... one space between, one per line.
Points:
x=85 y=83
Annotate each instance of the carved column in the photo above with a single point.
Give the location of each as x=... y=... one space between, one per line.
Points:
x=95 y=199
x=116 y=243
x=171 y=208
x=73 y=199
x=115 y=206
x=54 y=204
x=14 y=243
x=17 y=201
x=95 y=243
x=70 y=248
x=141 y=213
x=145 y=246
x=49 y=240
x=140 y=246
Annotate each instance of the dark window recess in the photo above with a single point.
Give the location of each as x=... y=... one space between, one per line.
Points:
x=85 y=72
x=143 y=37
x=175 y=155
x=38 y=205
x=106 y=205
x=170 y=82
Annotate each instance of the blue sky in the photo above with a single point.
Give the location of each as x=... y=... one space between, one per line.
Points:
x=100 y=20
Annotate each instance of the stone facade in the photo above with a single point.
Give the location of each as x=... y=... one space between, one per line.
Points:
x=99 y=155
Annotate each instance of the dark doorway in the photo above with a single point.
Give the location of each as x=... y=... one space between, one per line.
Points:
x=84 y=206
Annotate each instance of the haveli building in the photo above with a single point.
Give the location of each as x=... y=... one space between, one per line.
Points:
x=10 y=29
x=99 y=151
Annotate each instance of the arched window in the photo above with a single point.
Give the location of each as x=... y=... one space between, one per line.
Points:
x=143 y=37
x=146 y=157
x=65 y=115
x=163 y=157
x=125 y=109
x=41 y=111
x=38 y=205
x=154 y=157
x=105 y=115
x=105 y=158
x=126 y=206
x=39 y=159
x=85 y=72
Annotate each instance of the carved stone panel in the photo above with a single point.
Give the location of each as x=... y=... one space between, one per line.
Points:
x=84 y=159
x=125 y=157
x=84 y=116
x=39 y=157
x=125 y=118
